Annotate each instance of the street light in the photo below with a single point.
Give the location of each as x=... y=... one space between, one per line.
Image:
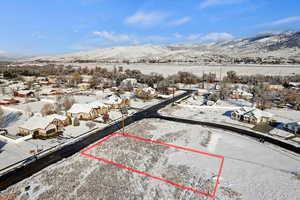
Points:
x=124 y=111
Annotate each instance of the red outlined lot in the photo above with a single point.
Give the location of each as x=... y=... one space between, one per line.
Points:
x=155 y=177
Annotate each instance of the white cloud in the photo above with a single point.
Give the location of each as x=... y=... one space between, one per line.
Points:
x=118 y=38
x=2 y=52
x=211 y=3
x=193 y=37
x=146 y=19
x=108 y=39
x=181 y=21
x=208 y=37
x=217 y=37
x=287 y=20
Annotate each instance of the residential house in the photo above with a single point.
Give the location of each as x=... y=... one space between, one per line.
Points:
x=251 y=115
x=47 y=126
x=171 y=90
x=146 y=93
x=8 y=101
x=52 y=79
x=24 y=93
x=294 y=84
x=293 y=127
x=43 y=80
x=88 y=111
x=50 y=91
x=114 y=101
x=84 y=86
x=100 y=108
x=82 y=112
x=202 y=92
x=275 y=87
x=29 y=78
x=86 y=78
x=241 y=94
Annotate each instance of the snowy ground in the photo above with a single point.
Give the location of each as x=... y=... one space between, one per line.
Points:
x=169 y=69
x=250 y=170
x=220 y=113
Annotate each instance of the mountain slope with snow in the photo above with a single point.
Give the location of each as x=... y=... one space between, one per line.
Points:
x=269 y=48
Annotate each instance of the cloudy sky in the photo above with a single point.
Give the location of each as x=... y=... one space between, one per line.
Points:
x=42 y=27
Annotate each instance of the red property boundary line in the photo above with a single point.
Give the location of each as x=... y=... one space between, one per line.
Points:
x=155 y=177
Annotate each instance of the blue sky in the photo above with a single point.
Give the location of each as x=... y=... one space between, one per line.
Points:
x=42 y=27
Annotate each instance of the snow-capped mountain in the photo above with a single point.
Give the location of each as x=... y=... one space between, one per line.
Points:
x=268 y=48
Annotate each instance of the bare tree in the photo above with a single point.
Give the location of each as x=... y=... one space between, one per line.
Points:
x=106 y=117
x=68 y=102
x=28 y=112
x=48 y=109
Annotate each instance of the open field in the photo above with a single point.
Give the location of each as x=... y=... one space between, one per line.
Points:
x=250 y=170
x=169 y=69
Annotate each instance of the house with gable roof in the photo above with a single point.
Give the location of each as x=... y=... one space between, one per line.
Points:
x=251 y=115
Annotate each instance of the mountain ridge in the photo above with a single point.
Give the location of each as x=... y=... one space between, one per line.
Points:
x=269 y=48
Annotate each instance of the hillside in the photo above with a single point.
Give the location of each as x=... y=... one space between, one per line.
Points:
x=270 y=48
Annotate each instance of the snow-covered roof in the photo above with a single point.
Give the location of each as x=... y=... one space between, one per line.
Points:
x=295 y=84
x=56 y=116
x=131 y=80
x=37 y=121
x=260 y=113
x=47 y=90
x=97 y=104
x=25 y=92
x=241 y=92
x=86 y=78
x=203 y=91
x=149 y=90
x=244 y=110
x=112 y=99
x=80 y=108
x=86 y=108
x=253 y=111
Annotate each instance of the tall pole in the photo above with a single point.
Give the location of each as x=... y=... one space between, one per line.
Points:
x=202 y=79
x=123 y=124
x=220 y=74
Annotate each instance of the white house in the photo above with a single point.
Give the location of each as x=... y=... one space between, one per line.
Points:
x=251 y=115
x=115 y=101
x=43 y=126
x=239 y=93
x=87 y=111
x=146 y=93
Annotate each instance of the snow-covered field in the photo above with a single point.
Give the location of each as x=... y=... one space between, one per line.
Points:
x=250 y=168
x=169 y=69
x=221 y=111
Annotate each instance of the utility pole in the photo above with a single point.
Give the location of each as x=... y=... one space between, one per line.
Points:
x=220 y=74
x=202 y=79
x=124 y=112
